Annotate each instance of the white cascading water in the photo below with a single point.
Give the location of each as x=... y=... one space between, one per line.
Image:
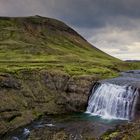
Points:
x=112 y=101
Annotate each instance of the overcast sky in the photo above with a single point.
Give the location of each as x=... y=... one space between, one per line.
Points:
x=111 y=25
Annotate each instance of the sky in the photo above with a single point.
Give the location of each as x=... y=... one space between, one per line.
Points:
x=111 y=25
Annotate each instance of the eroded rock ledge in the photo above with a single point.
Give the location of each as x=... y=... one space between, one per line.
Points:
x=26 y=95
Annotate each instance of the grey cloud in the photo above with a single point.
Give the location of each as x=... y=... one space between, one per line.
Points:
x=85 y=13
x=97 y=13
x=118 y=42
x=112 y=25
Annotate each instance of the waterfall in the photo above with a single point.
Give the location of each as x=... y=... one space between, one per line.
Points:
x=112 y=101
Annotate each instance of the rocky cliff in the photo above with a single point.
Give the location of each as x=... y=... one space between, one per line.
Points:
x=26 y=95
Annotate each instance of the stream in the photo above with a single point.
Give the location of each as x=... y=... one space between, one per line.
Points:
x=74 y=126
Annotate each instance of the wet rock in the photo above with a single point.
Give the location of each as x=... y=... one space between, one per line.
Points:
x=8 y=81
x=138 y=106
x=26 y=132
x=129 y=131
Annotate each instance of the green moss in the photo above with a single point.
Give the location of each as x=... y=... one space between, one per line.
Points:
x=36 y=113
x=136 y=137
x=110 y=136
x=44 y=43
x=37 y=42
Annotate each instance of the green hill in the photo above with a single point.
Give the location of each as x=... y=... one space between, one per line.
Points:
x=44 y=43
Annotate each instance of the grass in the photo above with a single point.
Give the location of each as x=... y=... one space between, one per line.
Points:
x=43 y=43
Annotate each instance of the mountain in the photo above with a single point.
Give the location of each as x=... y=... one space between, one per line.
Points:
x=38 y=42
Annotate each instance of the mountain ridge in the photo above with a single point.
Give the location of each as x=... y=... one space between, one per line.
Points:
x=47 y=40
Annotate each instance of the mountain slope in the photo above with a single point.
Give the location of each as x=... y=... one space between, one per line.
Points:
x=39 y=42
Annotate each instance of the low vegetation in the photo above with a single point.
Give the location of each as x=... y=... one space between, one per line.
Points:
x=43 y=43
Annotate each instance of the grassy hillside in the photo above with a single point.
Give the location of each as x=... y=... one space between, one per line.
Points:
x=44 y=43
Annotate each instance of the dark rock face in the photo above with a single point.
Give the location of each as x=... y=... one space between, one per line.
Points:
x=28 y=94
x=72 y=91
x=7 y=81
x=138 y=105
x=129 y=131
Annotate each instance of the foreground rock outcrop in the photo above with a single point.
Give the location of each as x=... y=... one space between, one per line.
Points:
x=129 y=131
x=28 y=94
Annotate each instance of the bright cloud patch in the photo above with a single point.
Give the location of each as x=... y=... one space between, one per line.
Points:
x=123 y=44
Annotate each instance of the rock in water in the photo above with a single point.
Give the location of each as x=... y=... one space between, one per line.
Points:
x=26 y=132
x=15 y=138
